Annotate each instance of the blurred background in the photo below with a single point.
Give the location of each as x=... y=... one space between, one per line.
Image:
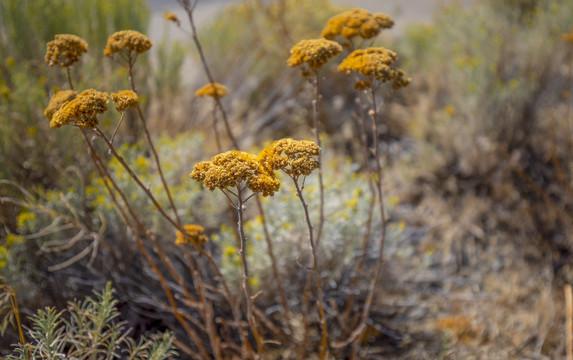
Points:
x=478 y=161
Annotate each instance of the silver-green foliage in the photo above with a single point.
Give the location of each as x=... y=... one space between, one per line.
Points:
x=89 y=329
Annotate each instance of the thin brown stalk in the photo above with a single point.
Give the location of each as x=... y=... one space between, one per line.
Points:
x=318 y=283
x=152 y=147
x=137 y=180
x=189 y=10
x=276 y=275
x=378 y=270
x=316 y=131
x=69 y=78
x=245 y=283
x=368 y=230
x=569 y=321
x=104 y=174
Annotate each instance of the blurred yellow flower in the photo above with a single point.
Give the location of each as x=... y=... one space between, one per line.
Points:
x=315 y=52
x=215 y=90
x=57 y=101
x=125 y=100
x=231 y=168
x=172 y=17
x=356 y=22
x=194 y=234
x=375 y=64
x=127 y=40
x=82 y=110
x=65 y=50
x=294 y=157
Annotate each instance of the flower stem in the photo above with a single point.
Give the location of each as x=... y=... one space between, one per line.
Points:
x=321 y=312
x=245 y=282
x=317 y=138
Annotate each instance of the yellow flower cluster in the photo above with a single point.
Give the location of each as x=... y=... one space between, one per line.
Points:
x=295 y=157
x=374 y=63
x=231 y=168
x=65 y=50
x=568 y=37
x=81 y=111
x=194 y=234
x=125 y=100
x=215 y=90
x=173 y=17
x=315 y=52
x=56 y=102
x=129 y=40
x=356 y=22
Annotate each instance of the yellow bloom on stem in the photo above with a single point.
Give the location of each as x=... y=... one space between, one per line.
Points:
x=65 y=50
x=231 y=169
x=82 y=110
x=314 y=52
x=172 y=17
x=194 y=234
x=125 y=100
x=128 y=40
x=214 y=90
x=57 y=101
x=375 y=64
x=295 y=157
x=356 y=22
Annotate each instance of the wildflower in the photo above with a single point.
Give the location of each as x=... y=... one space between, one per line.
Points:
x=5 y=92
x=568 y=37
x=356 y=22
x=125 y=100
x=65 y=50
x=375 y=64
x=82 y=110
x=194 y=234
x=173 y=17
x=214 y=90
x=129 y=40
x=232 y=168
x=315 y=52
x=57 y=101
x=295 y=157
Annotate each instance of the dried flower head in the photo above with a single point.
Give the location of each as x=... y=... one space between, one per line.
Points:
x=194 y=234
x=568 y=37
x=125 y=100
x=65 y=50
x=231 y=169
x=215 y=90
x=58 y=100
x=128 y=40
x=82 y=110
x=315 y=52
x=356 y=22
x=295 y=157
x=173 y=17
x=375 y=64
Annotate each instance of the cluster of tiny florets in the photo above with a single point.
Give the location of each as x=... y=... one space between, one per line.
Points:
x=214 y=90
x=81 y=111
x=356 y=22
x=125 y=100
x=194 y=234
x=128 y=40
x=315 y=52
x=57 y=101
x=375 y=63
x=295 y=157
x=65 y=50
x=231 y=169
